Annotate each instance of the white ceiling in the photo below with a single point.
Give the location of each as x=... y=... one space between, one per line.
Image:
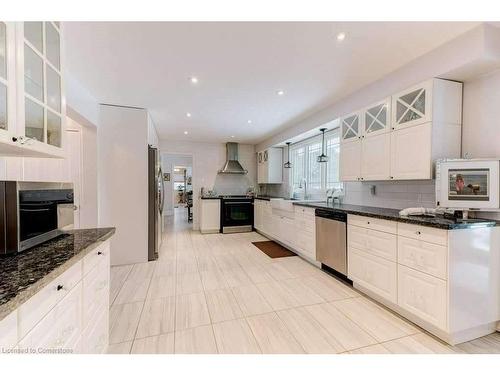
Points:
x=240 y=67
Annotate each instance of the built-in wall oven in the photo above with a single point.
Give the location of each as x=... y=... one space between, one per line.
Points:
x=32 y=213
x=236 y=214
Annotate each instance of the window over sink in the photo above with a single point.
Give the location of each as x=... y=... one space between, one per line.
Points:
x=318 y=176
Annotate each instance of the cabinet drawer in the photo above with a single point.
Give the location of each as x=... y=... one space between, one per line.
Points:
x=101 y=253
x=308 y=211
x=372 y=241
x=422 y=295
x=374 y=273
x=61 y=327
x=95 y=337
x=373 y=223
x=433 y=235
x=33 y=310
x=423 y=256
x=95 y=292
x=8 y=331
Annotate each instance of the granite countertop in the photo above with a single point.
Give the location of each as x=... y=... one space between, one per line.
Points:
x=214 y=197
x=392 y=214
x=267 y=197
x=24 y=274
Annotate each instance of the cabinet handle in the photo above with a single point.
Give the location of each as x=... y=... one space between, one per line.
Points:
x=14 y=139
x=392 y=177
x=59 y=287
x=418 y=232
x=367 y=222
x=393 y=128
x=99 y=253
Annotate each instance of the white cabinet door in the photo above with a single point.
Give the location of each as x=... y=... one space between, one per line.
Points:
x=257 y=213
x=7 y=82
x=210 y=215
x=377 y=118
x=350 y=161
x=373 y=241
x=411 y=153
x=8 y=331
x=423 y=295
x=351 y=127
x=412 y=106
x=373 y=273
x=423 y=256
x=376 y=157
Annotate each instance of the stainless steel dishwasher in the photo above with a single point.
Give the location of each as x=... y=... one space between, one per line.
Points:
x=331 y=240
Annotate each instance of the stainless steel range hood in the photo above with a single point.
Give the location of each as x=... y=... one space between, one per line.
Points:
x=232 y=165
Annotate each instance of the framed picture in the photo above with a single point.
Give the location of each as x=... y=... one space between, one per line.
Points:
x=166 y=176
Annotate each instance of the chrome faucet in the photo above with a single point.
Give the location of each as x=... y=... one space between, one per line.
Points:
x=332 y=194
x=303 y=184
x=329 y=196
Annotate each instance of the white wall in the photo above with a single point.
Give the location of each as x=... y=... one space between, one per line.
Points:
x=122 y=140
x=208 y=159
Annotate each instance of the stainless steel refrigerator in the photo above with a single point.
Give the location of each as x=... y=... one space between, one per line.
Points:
x=156 y=197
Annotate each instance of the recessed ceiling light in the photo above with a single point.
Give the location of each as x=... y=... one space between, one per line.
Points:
x=280 y=92
x=194 y=80
x=232 y=136
x=249 y=121
x=188 y=114
x=186 y=132
x=340 y=36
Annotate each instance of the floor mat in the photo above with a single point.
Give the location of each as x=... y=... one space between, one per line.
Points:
x=273 y=249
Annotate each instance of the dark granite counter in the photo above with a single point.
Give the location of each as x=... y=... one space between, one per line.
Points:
x=215 y=197
x=392 y=214
x=24 y=274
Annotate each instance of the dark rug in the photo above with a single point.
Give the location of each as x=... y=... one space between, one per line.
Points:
x=273 y=249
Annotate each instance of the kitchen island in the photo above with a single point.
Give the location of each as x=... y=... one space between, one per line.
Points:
x=54 y=297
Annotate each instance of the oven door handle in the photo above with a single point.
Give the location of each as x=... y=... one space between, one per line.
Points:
x=34 y=209
x=237 y=202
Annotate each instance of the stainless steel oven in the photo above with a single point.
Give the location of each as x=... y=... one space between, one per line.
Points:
x=236 y=214
x=32 y=213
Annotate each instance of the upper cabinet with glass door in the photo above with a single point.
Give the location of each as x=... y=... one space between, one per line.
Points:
x=351 y=127
x=7 y=82
x=40 y=97
x=377 y=118
x=412 y=106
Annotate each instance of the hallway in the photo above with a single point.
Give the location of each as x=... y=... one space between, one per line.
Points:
x=220 y=294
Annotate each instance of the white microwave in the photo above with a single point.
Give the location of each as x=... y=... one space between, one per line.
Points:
x=468 y=184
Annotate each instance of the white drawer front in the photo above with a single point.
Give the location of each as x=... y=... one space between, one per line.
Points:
x=60 y=328
x=373 y=223
x=424 y=256
x=374 y=242
x=374 y=273
x=95 y=337
x=8 y=331
x=305 y=223
x=33 y=310
x=95 y=256
x=308 y=211
x=433 y=235
x=95 y=291
x=423 y=295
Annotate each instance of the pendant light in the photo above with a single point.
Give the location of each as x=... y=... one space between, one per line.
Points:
x=322 y=158
x=288 y=164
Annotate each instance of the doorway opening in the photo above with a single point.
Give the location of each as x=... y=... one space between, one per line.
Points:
x=178 y=178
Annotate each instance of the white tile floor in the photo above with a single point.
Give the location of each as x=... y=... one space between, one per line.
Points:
x=220 y=294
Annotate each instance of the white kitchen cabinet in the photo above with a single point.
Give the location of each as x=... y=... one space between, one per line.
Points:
x=423 y=295
x=258 y=207
x=350 y=161
x=210 y=215
x=424 y=123
x=351 y=127
x=374 y=273
x=441 y=284
x=411 y=153
x=270 y=166
x=70 y=313
x=376 y=157
x=377 y=118
x=32 y=100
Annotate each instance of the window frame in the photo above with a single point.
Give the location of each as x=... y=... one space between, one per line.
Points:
x=331 y=134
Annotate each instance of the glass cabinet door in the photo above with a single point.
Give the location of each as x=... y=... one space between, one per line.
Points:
x=377 y=118
x=42 y=82
x=350 y=126
x=412 y=106
x=3 y=76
